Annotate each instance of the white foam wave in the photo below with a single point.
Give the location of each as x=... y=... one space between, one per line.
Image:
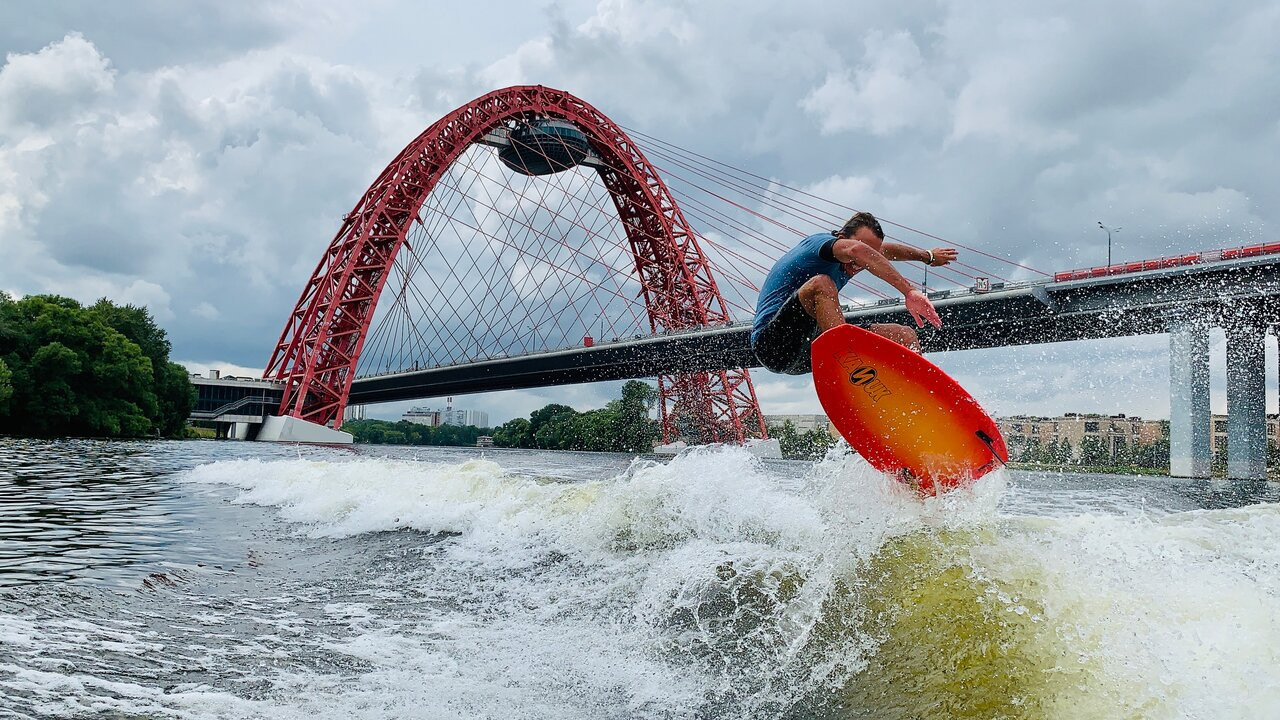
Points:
x=711 y=576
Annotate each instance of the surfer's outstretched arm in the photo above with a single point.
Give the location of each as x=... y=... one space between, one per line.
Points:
x=936 y=257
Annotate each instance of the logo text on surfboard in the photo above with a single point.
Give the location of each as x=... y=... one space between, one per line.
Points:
x=864 y=376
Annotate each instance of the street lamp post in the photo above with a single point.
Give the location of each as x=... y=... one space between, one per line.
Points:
x=1109 y=231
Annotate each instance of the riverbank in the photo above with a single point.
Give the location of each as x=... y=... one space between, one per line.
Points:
x=1273 y=474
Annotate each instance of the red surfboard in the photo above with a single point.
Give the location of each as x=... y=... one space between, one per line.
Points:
x=902 y=413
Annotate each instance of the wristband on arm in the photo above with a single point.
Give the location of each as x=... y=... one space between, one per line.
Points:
x=930 y=260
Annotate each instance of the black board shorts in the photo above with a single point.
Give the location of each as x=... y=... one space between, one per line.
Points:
x=783 y=344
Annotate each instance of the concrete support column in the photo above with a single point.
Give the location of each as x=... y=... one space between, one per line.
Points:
x=1189 y=452
x=1246 y=402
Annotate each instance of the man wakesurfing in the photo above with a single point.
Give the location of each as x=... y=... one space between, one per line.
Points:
x=800 y=299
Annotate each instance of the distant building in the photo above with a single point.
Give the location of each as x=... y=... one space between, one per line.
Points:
x=1218 y=432
x=1115 y=432
x=478 y=418
x=422 y=416
x=484 y=441
x=447 y=416
x=353 y=412
x=802 y=423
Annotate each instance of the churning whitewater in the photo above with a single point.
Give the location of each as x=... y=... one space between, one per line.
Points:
x=715 y=585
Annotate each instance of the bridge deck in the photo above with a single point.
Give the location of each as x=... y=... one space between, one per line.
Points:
x=1042 y=312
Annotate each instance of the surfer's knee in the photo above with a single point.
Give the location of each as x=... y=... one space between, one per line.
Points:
x=900 y=334
x=818 y=286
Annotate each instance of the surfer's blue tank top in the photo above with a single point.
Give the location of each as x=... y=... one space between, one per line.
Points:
x=790 y=272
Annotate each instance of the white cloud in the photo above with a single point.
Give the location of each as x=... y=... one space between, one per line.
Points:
x=150 y=295
x=210 y=174
x=206 y=311
x=202 y=367
x=637 y=22
x=892 y=89
x=56 y=84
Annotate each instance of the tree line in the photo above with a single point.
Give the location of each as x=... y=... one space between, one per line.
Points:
x=1094 y=453
x=101 y=370
x=383 y=432
x=623 y=425
x=796 y=445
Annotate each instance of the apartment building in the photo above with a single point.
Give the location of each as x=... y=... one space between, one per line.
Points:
x=1115 y=432
x=802 y=423
x=1218 y=432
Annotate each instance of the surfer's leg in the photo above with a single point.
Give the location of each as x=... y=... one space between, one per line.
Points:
x=782 y=345
x=821 y=299
x=900 y=334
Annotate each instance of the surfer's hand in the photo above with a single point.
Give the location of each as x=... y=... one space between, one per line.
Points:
x=922 y=310
x=942 y=256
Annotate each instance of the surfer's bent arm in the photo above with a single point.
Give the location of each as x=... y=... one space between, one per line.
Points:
x=857 y=255
x=935 y=257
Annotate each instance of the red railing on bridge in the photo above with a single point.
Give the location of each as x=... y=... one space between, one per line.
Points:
x=1168 y=262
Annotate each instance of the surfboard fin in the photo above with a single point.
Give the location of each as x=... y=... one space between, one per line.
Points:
x=986 y=440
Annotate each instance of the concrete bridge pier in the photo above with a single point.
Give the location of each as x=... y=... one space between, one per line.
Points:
x=1246 y=401
x=1189 y=452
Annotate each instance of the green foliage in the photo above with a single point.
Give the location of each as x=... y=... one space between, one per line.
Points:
x=1141 y=458
x=796 y=445
x=101 y=371
x=629 y=425
x=6 y=387
x=1093 y=452
x=1031 y=451
x=382 y=432
x=623 y=426
x=1066 y=453
x=1154 y=455
x=514 y=434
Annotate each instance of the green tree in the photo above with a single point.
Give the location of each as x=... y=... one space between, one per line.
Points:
x=1030 y=451
x=796 y=445
x=631 y=429
x=175 y=395
x=541 y=416
x=558 y=432
x=513 y=434
x=84 y=371
x=6 y=387
x=1093 y=452
x=53 y=368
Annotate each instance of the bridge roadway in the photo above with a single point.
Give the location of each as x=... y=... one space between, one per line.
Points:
x=1039 y=312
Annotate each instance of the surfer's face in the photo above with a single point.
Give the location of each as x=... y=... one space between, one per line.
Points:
x=867 y=236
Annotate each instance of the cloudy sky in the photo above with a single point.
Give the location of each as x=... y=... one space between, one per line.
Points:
x=197 y=157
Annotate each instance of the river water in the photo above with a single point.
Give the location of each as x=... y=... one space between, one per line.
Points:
x=239 y=580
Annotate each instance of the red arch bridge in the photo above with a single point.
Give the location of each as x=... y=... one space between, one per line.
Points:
x=526 y=240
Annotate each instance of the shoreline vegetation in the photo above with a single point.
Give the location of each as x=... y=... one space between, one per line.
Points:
x=623 y=425
x=91 y=371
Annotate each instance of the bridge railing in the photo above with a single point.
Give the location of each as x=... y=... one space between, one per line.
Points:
x=1169 y=262
x=226 y=409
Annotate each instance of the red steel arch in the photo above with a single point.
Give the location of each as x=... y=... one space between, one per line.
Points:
x=318 y=349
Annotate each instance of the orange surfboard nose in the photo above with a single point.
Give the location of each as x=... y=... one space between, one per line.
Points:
x=902 y=413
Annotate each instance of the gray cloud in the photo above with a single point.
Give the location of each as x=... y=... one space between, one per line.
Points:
x=202 y=156
x=148 y=34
